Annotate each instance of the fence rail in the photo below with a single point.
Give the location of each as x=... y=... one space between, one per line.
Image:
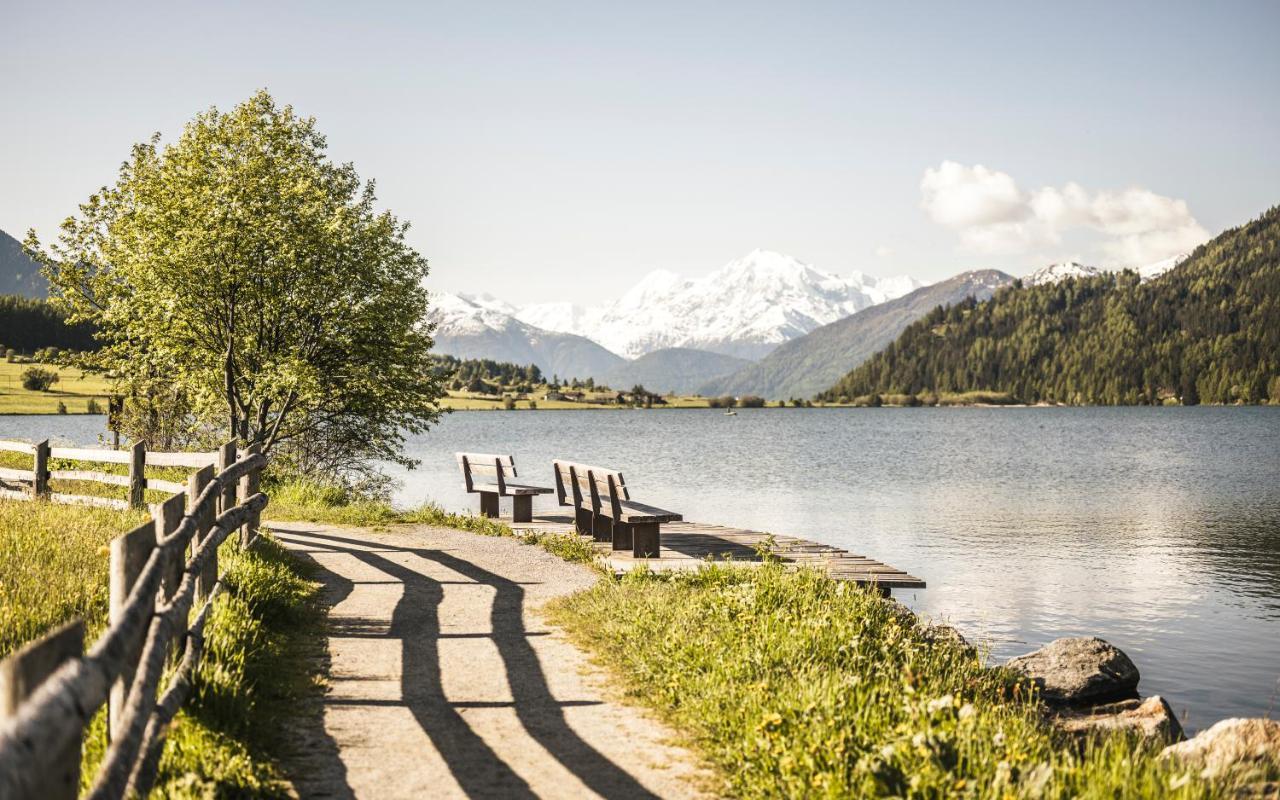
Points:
x=51 y=688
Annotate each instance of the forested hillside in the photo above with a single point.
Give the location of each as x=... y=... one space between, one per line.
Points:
x=1207 y=331
x=27 y=325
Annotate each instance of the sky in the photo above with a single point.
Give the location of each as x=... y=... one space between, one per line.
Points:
x=560 y=151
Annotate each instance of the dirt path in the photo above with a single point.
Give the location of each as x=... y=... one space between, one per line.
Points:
x=444 y=682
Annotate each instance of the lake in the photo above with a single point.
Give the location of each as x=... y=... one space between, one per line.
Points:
x=1157 y=529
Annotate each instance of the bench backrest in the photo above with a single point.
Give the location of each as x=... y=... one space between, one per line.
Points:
x=592 y=488
x=488 y=467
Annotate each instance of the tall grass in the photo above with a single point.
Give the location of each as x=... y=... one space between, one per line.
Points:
x=796 y=685
x=256 y=668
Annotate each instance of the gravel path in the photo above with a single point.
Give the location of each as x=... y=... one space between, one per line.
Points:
x=444 y=681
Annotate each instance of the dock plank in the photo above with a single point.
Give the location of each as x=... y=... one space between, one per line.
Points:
x=686 y=545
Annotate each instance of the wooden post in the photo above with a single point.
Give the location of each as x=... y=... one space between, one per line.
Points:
x=129 y=554
x=20 y=675
x=166 y=516
x=248 y=488
x=227 y=457
x=489 y=504
x=40 y=471
x=137 y=475
x=204 y=522
x=522 y=508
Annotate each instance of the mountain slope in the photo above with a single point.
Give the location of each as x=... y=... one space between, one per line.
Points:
x=18 y=274
x=805 y=366
x=1206 y=330
x=482 y=327
x=674 y=369
x=745 y=309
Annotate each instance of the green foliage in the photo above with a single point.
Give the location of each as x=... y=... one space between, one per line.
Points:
x=722 y=402
x=38 y=379
x=796 y=685
x=467 y=372
x=242 y=281
x=751 y=401
x=1207 y=331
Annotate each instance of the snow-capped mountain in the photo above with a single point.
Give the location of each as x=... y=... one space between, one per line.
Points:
x=746 y=308
x=1059 y=272
x=482 y=326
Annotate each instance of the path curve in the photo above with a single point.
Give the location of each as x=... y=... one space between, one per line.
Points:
x=443 y=681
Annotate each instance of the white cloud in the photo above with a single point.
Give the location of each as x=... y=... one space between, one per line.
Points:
x=991 y=214
x=884 y=251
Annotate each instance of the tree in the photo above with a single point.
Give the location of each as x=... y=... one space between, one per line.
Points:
x=37 y=379
x=239 y=275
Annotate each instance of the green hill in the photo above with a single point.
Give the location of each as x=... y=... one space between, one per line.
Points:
x=1206 y=331
x=18 y=274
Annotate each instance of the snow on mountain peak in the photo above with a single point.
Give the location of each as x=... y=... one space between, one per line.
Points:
x=1059 y=272
x=1159 y=268
x=744 y=308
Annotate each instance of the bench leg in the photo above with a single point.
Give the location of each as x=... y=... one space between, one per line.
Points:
x=601 y=528
x=489 y=504
x=522 y=508
x=622 y=536
x=644 y=540
x=582 y=521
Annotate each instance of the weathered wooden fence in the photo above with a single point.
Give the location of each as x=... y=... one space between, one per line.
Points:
x=51 y=688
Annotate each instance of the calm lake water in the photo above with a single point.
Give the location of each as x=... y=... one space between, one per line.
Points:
x=1156 y=529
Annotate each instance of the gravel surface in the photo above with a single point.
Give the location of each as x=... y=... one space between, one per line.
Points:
x=443 y=681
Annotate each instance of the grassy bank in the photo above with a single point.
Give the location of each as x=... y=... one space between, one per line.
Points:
x=255 y=672
x=74 y=389
x=795 y=685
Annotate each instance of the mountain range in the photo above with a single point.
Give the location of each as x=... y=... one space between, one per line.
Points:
x=807 y=365
x=744 y=309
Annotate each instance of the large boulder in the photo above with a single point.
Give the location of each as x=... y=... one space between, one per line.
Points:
x=1152 y=718
x=1079 y=671
x=1245 y=749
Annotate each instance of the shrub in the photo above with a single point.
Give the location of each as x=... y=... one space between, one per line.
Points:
x=533 y=404
x=11 y=355
x=751 y=401
x=508 y=403
x=93 y=407
x=721 y=402
x=62 y=407
x=38 y=380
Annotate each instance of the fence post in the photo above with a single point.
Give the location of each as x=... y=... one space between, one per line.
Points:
x=166 y=516
x=129 y=554
x=227 y=457
x=137 y=475
x=204 y=522
x=20 y=675
x=40 y=477
x=248 y=488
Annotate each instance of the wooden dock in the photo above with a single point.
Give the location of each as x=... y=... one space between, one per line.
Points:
x=685 y=545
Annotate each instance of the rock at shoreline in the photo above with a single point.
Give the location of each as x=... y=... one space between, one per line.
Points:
x=937 y=634
x=1243 y=748
x=1079 y=671
x=1152 y=718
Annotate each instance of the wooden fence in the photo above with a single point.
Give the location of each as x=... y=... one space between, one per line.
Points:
x=51 y=688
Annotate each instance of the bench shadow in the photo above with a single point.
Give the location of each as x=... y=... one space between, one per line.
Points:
x=477 y=768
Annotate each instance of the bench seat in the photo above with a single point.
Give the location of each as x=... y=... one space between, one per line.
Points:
x=634 y=513
x=512 y=489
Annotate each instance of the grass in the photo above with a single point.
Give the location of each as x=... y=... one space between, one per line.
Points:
x=463 y=401
x=309 y=501
x=795 y=685
x=256 y=668
x=74 y=388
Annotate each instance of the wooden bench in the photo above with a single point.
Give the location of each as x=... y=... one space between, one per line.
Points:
x=602 y=507
x=488 y=475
